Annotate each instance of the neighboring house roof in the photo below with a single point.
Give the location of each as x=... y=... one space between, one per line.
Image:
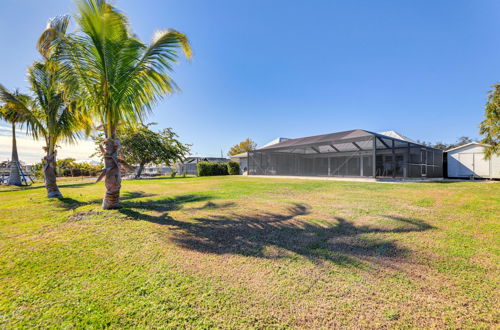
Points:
x=275 y=141
x=242 y=155
x=204 y=159
x=397 y=135
x=467 y=145
x=90 y=161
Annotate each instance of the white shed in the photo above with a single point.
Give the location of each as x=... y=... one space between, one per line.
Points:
x=468 y=161
x=242 y=159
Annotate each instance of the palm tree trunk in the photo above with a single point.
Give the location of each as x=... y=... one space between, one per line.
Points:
x=139 y=171
x=113 y=176
x=14 y=176
x=49 y=171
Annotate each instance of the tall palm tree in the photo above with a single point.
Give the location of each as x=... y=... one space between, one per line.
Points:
x=52 y=113
x=117 y=76
x=47 y=115
x=8 y=113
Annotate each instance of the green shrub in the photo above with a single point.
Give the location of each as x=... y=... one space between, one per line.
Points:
x=210 y=169
x=204 y=169
x=233 y=168
x=222 y=169
x=173 y=174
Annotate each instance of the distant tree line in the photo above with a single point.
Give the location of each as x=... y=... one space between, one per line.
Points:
x=69 y=167
x=445 y=146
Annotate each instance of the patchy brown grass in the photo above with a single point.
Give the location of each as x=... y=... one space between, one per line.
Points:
x=245 y=252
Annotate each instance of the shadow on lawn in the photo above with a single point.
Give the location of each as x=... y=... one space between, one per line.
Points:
x=135 y=194
x=339 y=241
x=128 y=203
x=180 y=177
x=62 y=185
x=250 y=235
x=130 y=208
x=68 y=203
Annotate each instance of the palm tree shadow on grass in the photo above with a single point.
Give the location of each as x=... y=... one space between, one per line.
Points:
x=71 y=185
x=130 y=200
x=341 y=241
x=68 y=203
x=132 y=208
x=127 y=195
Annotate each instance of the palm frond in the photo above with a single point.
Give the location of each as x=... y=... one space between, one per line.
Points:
x=117 y=76
x=57 y=110
x=19 y=108
x=14 y=105
x=55 y=30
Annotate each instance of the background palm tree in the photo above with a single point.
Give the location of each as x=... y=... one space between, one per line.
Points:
x=52 y=113
x=8 y=113
x=117 y=76
x=47 y=115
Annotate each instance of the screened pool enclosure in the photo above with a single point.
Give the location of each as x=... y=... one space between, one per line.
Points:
x=356 y=153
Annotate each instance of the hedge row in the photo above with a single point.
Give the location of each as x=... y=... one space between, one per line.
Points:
x=210 y=169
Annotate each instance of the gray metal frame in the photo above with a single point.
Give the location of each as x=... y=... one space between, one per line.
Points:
x=356 y=153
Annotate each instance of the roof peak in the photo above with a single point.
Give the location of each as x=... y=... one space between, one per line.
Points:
x=468 y=144
x=275 y=141
x=397 y=135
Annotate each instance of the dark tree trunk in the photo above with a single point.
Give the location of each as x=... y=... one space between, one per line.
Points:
x=139 y=171
x=49 y=171
x=14 y=175
x=113 y=177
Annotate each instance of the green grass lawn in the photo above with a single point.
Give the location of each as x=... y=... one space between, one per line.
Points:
x=252 y=252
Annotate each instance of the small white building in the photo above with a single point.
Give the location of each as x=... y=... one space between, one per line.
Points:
x=468 y=161
x=242 y=159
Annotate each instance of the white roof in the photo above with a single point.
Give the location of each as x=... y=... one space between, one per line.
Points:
x=242 y=155
x=396 y=135
x=90 y=161
x=275 y=141
x=468 y=144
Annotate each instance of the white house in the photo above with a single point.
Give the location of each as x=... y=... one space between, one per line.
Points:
x=468 y=161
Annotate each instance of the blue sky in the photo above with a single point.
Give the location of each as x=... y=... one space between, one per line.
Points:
x=269 y=68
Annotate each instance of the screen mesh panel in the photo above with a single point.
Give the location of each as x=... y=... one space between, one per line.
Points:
x=365 y=145
x=321 y=166
x=367 y=165
x=415 y=171
x=345 y=147
x=353 y=166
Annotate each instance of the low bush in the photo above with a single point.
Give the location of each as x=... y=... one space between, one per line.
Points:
x=210 y=169
x=233 y=168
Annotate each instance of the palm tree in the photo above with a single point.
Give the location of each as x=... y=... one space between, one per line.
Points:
x=48 y=115
x=51 y=113
x=8 y=113
x=117 y=76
